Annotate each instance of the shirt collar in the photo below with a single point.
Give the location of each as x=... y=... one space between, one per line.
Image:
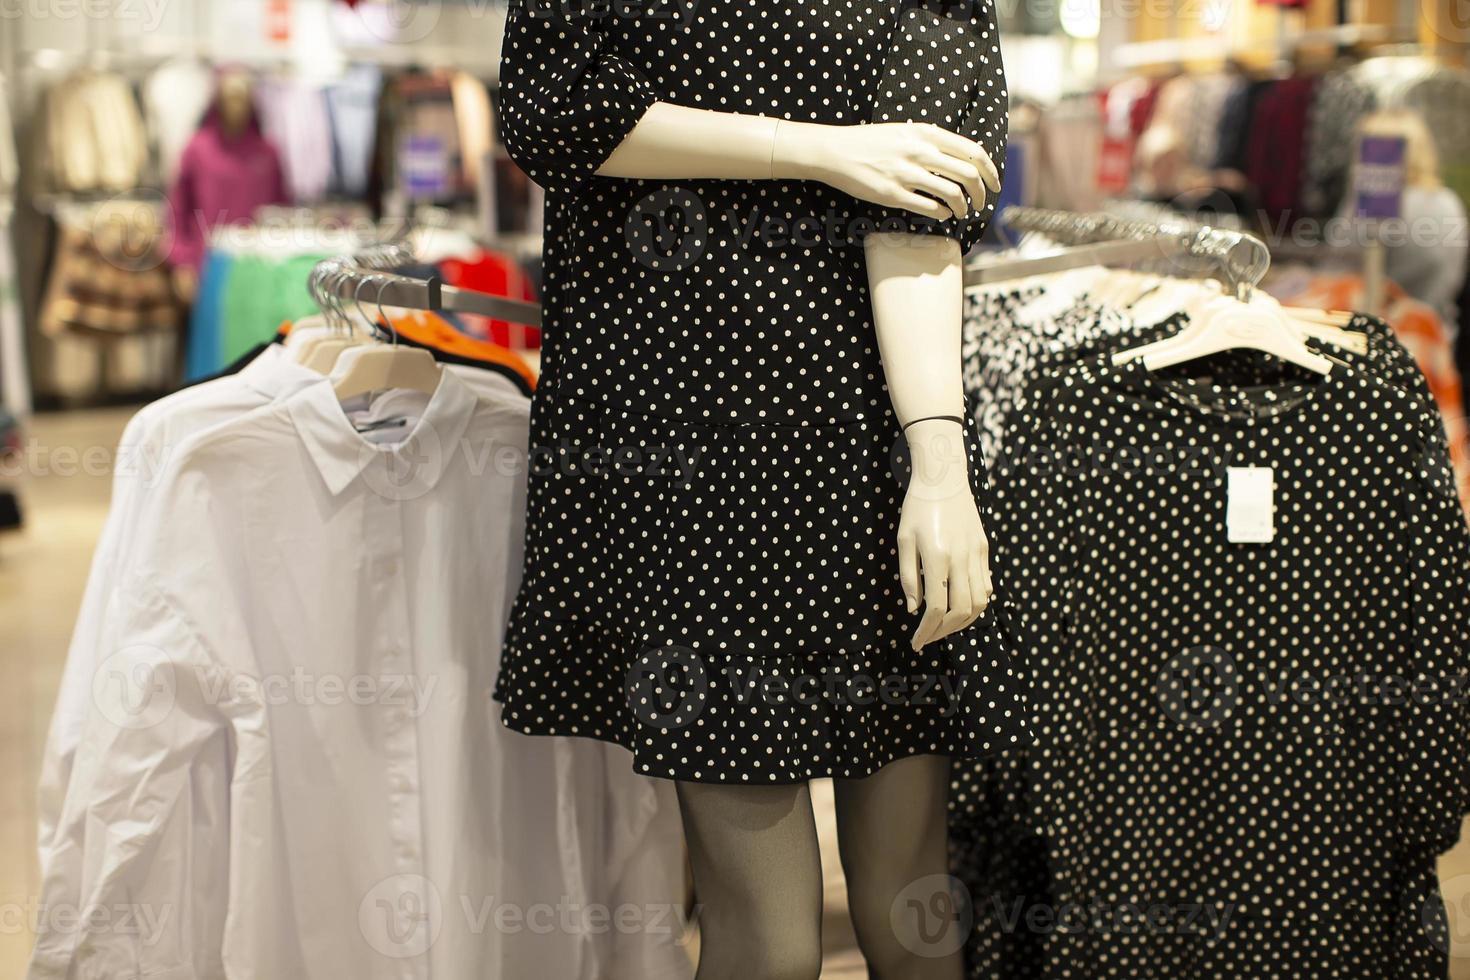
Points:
x=415 y=466
x=275 y=374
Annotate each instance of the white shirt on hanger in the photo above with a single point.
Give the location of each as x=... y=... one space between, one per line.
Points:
x=153 y=436
x=290 y=765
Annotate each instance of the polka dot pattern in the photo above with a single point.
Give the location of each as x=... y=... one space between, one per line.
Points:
x=711 y=575
x=1167 y=770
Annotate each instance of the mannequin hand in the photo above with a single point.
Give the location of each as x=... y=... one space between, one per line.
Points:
x=939 y=530
x=889 y=164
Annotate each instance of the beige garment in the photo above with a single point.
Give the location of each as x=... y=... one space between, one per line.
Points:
x=476 y=121
x=1069 y=143
x=95 y=137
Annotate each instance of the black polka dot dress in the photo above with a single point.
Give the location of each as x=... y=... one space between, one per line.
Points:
x=1257 y=745
x=711 y=574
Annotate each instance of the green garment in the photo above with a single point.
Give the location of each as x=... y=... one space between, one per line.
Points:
x=262 y=293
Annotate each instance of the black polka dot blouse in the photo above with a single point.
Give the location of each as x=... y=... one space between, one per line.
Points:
x=1246 y=754
x=711 y=574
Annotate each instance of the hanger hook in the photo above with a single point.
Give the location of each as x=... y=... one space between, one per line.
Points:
x=383 y=315
x=357 y=300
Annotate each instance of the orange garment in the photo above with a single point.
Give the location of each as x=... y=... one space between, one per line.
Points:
x=423 y=327
x=1423 y=333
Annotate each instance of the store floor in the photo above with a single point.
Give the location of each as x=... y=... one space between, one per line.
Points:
x=42 y=571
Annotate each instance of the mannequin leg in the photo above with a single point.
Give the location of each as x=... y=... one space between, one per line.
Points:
x=757 y=880
x=893 y=837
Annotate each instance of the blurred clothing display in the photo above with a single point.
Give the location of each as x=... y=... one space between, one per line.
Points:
x=352 y=104
x=295 y=120
x=95 y=139
x=1430 y=266
x=108 y=276
x=244 y=295
x=1275 y=149
x=15 y=382
x=9 y=163
x=175 y=96
x=223 y=179
x=476 y=125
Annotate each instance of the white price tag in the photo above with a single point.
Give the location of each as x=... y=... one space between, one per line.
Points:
x=1250 y=508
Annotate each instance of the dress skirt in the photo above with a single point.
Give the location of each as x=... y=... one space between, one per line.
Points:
x=724 y=601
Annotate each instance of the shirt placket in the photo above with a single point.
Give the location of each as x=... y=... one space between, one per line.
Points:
x=417 y=901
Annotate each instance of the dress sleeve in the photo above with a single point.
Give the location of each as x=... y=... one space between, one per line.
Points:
x=943 y=66
x=566 y=101
x=1433 y=722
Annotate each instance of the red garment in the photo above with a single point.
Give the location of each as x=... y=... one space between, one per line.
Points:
x=1276 y=152
x=1142 y=112
x=498 y=275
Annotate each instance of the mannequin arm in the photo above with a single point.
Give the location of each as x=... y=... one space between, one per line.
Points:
x=884 y=163
x=916 y=285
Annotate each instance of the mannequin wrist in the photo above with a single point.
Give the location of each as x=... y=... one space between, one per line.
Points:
x=937 y=450
x=797 y=150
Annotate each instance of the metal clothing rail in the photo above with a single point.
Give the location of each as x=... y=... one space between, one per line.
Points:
x=1097 y=238
x=364 y=278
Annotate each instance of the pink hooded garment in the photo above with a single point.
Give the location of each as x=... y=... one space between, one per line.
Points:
x=222 y=179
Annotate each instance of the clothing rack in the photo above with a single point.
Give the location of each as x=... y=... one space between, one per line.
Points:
x=363 y=277
x=1095 y=238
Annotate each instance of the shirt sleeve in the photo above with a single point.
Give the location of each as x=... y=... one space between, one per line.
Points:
x=136 y=883
x=566 y=100
x=943 y=66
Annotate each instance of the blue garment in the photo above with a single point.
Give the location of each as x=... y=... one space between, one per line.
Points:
x=1012 y=192
x=206 y=322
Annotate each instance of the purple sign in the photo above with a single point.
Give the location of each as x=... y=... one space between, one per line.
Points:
x=1378 y=181
x=425 y=167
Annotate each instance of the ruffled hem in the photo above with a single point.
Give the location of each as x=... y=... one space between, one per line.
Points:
x=704 y=716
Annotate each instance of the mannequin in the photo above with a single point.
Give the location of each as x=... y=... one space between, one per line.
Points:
x=227 y=171
x=753 y=847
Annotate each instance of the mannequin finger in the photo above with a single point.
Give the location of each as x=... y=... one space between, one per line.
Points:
x=979 y=585
x=928 y=630
x=968 y=149
x=936 y=596
x=908 y=569
x=989 y=172
x=964 y=173
x=961 y=603
x=919 y=204
x=947 y=191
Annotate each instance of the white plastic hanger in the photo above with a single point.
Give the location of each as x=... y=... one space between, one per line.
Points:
x=314 y=326
x=1222 y=323
x=379 y=367
x=321 y=354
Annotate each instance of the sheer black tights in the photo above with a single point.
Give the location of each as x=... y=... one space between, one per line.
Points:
x=758 y=875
